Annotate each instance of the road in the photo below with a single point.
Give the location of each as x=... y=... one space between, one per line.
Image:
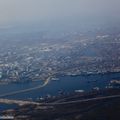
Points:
x=21 y=102
x=82 y=101
x=18 y=102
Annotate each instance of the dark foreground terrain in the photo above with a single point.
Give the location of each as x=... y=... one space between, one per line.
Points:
x=103 y=109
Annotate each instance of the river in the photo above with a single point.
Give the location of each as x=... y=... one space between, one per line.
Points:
x=65 y=83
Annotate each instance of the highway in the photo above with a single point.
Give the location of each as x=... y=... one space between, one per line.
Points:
x=26 y=90
x=21 y=102
x=84 y=100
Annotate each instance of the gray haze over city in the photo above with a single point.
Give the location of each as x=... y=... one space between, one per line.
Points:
x=60 y=13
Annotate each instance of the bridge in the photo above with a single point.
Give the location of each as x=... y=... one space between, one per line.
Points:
x=26 y=90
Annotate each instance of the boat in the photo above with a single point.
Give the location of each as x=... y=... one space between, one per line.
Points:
x=55 y=79
x=79 y=91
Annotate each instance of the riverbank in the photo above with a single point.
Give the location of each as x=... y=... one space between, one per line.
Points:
x=65 y=84
x=89 y=107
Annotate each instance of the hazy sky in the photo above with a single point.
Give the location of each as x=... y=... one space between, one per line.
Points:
x=27 y=11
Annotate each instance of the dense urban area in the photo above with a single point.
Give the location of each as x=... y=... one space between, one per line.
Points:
x=33 y=56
